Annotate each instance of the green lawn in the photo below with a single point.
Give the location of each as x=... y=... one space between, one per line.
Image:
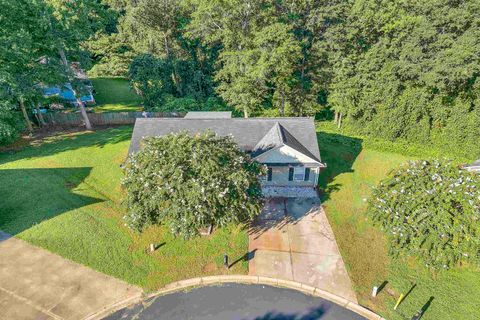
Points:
x=354 y=166
x=65 y=196
x=114 y=95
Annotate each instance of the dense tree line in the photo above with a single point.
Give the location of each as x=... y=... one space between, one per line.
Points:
x=390 y=69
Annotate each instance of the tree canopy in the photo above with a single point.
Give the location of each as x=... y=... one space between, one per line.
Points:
x=391 y=69
x=191 y=183
x=396 y=70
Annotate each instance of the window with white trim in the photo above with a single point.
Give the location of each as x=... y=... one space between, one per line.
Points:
x=298 y=173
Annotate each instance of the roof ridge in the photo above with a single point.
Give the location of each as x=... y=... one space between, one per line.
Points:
x=280 y=132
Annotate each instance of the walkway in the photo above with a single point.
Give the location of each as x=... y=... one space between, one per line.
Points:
x=36 y=284
x=293 y=240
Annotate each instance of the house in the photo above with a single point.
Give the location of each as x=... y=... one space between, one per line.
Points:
x=474 y=167
x=286 y=146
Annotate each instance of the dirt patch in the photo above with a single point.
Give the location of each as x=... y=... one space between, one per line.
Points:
x=209 y=268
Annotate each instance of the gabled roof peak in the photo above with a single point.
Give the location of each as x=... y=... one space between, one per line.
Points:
x=278 y=136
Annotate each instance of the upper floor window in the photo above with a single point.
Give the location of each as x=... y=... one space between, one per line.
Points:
x=298 y=173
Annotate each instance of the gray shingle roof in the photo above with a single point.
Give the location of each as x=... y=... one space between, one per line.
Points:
x=208 y=115
x=299 y=133
x=279 y=136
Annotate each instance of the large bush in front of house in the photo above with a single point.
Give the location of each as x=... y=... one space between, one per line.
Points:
x=430 y=209
x=191 y=182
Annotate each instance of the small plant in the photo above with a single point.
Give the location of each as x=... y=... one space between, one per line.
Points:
x=430 y=209
x=191 y=182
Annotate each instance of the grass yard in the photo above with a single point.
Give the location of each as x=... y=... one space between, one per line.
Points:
x=354 y=166
x=64 y=195
x=115 y=95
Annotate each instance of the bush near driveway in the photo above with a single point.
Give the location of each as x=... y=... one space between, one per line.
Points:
x=430 y=209
x=191 y=182
x=356 y=164
x=65 y=196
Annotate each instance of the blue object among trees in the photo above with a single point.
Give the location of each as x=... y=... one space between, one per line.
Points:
x=66 y=93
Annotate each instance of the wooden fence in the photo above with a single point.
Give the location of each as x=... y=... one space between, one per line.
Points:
x=106 y=118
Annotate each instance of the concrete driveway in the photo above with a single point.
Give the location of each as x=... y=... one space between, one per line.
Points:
x=292 y=239
x=36 y=284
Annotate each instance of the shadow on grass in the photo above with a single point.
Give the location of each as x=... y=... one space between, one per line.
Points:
x=339 y=152
x=67 y=142
x=30 y=196
x=421 y=312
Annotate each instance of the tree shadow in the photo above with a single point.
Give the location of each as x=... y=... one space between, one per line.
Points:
x=30 y=196
x=279 y=213
x=312 y=314
x=70 y=141
x=320 y=312
x=339 y=152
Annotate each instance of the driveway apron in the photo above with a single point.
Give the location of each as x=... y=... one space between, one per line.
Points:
x=292 y=239
x=37 y=284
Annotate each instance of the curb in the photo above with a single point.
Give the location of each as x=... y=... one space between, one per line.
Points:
x=107 y=310
x=211 y=280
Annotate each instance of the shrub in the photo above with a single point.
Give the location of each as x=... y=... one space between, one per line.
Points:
x=191 y=182
x=430 y=209
x=10 y=124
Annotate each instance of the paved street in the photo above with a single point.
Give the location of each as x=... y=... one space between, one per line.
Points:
x=36 y=284
x=293 y=240
x=236 y=302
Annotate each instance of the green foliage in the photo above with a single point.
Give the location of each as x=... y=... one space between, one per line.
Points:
x=413 y=149
x=111 y=55
x=410 y=71
x=74 y=210
x=160 y=80
x=430 y=209
x=9 y=124
x=115 y=94
x=191 y=183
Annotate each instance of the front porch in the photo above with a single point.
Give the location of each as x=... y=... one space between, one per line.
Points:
x=289 y=192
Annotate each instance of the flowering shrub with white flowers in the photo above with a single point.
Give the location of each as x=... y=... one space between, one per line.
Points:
x=430 y=209
x=191 y=182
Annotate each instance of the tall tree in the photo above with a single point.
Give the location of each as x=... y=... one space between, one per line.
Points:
x=24 y=51
x=233 y=24
x=73 y=22
x=279 y=54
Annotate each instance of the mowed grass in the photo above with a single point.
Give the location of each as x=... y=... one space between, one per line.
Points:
x=115 y=95
x=65 y=196
x=352 y=171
